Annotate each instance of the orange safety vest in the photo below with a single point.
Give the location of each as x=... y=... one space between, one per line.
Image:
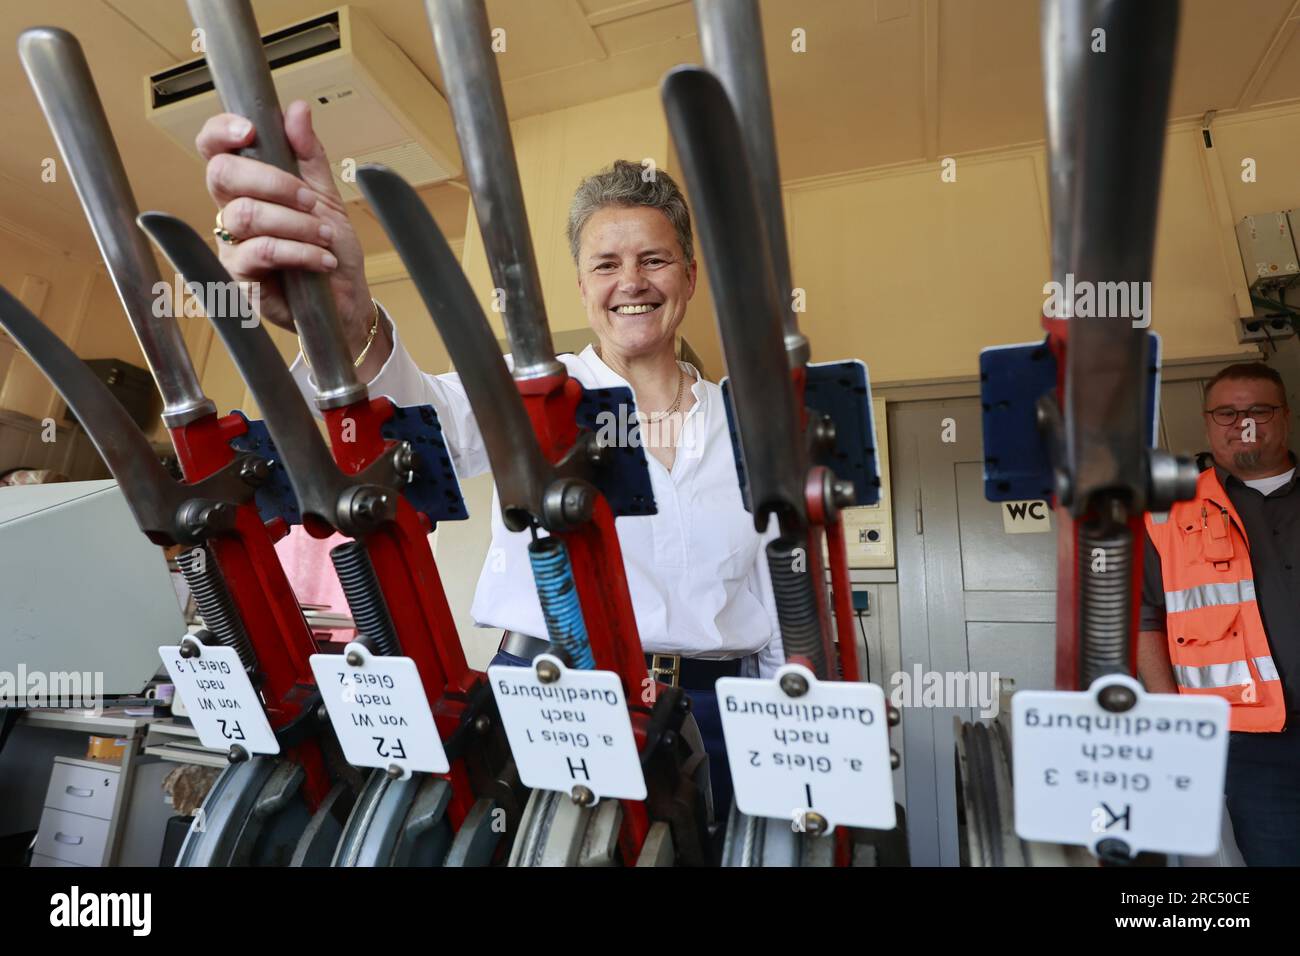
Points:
x=1217 y=643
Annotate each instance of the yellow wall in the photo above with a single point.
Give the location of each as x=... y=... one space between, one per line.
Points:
x=915 y=275
x=910 y=273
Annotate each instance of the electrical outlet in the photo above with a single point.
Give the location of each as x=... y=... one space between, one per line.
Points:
x=1261 y=329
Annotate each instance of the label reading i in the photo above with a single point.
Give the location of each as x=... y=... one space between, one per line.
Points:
x=824 y=751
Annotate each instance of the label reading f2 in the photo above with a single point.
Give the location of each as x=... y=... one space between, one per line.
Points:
x=379 y=711
x=222 y=704
x=825 y=751
x=570 y=732
x=1150 y=776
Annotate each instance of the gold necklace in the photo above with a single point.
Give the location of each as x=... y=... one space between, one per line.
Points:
x=677 y=402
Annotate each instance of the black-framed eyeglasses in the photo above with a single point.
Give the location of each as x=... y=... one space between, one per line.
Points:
x=1227 y=415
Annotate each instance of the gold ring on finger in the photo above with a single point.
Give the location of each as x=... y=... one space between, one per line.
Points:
x=222 y=233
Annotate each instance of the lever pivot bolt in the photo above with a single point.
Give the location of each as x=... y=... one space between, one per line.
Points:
x=405 y=458
x=255 y=470
x=842 y=495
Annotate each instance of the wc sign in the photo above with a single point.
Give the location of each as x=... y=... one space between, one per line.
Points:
x=1026 y=517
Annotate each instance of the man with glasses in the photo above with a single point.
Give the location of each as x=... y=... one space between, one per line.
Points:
x=1221 y=604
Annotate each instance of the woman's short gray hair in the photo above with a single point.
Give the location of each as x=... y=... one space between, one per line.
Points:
x=630 y=184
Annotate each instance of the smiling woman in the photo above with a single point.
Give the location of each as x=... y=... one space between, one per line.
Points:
x=699 y=586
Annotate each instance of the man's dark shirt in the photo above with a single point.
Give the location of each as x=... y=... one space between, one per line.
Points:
x=1272 y=527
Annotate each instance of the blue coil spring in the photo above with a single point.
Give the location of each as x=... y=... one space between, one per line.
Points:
x=559 y=597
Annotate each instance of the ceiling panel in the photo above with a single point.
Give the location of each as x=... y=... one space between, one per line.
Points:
x=656 y=26
x=1283 y=81
x=1219 y=45
x=854 y=98
x=990 y=76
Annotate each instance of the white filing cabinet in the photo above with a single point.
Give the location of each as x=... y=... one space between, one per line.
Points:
x=82 y=808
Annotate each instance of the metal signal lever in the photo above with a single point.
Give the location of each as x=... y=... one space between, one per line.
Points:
x=246 y=598
x=768 y=404
x=1106 y=127
x=361 y=495
x=550 y=471
x=827 y=424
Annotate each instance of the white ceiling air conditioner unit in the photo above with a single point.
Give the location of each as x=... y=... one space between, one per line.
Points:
x=370 y=104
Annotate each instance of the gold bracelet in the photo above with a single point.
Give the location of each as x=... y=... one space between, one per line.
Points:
x=370 y=340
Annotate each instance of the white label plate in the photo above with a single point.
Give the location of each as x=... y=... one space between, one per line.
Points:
x=825 y=751
x=1151 y=776
x=219 y=699
x=573 y=732
x=379 y=711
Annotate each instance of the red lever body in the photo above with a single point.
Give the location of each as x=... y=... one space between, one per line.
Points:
x=261 y=593
x=411 y=586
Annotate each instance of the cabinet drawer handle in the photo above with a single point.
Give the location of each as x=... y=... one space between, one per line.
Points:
x=62 y=837
x=72 y=791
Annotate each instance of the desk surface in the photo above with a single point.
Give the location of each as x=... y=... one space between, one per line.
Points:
x=107 y=724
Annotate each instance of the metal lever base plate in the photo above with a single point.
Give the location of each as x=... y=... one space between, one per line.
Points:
x=1017 y=463
x=842 y=392
x=624 y=475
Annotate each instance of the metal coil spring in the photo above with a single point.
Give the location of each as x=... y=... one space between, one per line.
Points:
x=559 y=598
x=361 y=588
x=1105 y=597
x=214 y=603
x=796 y=602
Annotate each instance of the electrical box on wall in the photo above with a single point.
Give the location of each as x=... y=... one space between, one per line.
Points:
x=1268 y=251
x=869 y=529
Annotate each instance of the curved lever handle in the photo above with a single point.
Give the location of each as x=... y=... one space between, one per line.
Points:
x=243 y=80
x=1065 y=43
x=745 y=293
x=167 y=512
x=1123 y=103
x=61 y=77
x=469 y=71
x=354 y=504
x=520 y=471
x=731 y=36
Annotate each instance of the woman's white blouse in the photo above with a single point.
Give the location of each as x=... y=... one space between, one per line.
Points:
x=695 y=569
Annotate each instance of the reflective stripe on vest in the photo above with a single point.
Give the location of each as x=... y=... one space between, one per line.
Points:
x=1267 y=669
x=1224 y=675
x=1212 y=675
x=1210 y=595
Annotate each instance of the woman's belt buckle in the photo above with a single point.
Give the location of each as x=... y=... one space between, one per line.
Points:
x=668 y=666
